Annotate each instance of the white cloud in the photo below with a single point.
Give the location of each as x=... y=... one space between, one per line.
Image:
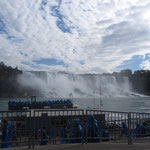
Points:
x=104 y=33
x=146 y=62
x=145 y=65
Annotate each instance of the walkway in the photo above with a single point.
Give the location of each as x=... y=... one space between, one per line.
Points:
x=99 y=146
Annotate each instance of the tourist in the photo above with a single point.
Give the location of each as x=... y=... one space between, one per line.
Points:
x=105 y=134
x=63 y=134
x=76 y=133
x=6 y=134
x=137 y=131
x=44 y=136
x=14 y=133
x=93 y=130
x=124 y=129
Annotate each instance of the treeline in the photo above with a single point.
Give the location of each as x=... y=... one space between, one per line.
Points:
x=8 y=80
x=139 y=79
x=9 y=85
x=7 y=71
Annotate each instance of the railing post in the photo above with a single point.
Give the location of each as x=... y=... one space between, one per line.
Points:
x=33 y=132
x=29 y=131
x=115 y=133
x=86 y=127
x=129 y=129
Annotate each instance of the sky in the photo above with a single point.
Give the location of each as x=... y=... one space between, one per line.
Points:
x=78 y=36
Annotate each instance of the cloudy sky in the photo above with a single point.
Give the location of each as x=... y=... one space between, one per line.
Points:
x=76 y=36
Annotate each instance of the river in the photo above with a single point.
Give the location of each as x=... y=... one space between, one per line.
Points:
x=129 y=104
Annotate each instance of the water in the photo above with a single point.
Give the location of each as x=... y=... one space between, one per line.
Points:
x=52 y=84
x=129 y=104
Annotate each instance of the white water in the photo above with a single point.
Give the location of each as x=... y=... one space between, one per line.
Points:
x=88 y=91
x=53 y=84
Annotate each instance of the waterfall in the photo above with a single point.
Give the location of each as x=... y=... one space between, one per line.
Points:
x=59 y=84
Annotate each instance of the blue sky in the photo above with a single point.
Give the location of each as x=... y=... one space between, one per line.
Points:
x=135 y=63
x=81 y=36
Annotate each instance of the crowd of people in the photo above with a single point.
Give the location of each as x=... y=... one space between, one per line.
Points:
x=89 y=131
x=75 y=130
x=19 y=105
x=142 y=130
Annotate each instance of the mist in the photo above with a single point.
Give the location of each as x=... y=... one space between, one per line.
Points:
x=63 y=85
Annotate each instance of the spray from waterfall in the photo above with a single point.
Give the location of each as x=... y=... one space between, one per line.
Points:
x=54 y=84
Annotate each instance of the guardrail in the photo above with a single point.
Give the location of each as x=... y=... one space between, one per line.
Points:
x=13 y=129
x=61 y=126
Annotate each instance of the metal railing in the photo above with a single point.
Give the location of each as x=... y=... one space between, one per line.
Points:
x=59 y=126
x=13 y=128
x=114 y=122
x=54 y=122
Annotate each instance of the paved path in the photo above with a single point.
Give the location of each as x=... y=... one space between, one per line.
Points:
x=99 y=146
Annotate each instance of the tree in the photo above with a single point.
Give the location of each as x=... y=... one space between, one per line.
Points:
x=126 y=72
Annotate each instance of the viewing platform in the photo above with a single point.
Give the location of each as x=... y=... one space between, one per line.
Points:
x=49 y=127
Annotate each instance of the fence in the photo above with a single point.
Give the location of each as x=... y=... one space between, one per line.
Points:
x=13 y=129
x=61 y=126
x=115 y=124
x=50 y=125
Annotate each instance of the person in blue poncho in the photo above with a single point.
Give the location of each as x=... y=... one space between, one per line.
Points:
x=124 y=129
x=63 y=133
x=44 y=136
x=76 y=133
x=105 y=134
x=144 y=129
x=136 y=132
x=14 y=133
x=6 y=134
x=93 y=130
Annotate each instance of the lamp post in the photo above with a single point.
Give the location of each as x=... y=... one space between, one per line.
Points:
x=71 y=96
x=94 y=98
x=100 y=101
